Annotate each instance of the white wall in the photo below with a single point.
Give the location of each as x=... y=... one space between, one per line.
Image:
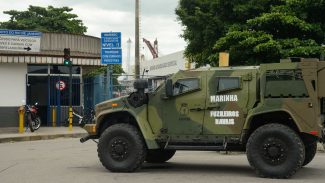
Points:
x=12 y=84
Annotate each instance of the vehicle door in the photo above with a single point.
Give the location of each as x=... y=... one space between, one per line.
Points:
x=228 y=100
x=183 y=112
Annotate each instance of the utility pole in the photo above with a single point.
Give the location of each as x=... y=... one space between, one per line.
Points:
x=137 y=46
x=128 y=58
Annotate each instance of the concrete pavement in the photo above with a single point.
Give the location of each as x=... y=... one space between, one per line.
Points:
x=43 y=133
x=67 y=161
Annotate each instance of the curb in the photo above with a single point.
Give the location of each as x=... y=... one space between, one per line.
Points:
x=40 y=137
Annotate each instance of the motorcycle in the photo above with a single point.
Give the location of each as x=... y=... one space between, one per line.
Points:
x=31 y=117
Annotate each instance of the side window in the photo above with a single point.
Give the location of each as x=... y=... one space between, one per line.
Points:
x=228 y=83
x=185 y=85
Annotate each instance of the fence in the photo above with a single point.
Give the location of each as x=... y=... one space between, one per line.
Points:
x=96 y=89
x=86 y=93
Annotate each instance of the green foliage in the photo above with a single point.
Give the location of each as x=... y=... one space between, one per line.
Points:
x=252 y=31
x=249 y=47
x=282 y=26
x=42 y=19
x=300 y=48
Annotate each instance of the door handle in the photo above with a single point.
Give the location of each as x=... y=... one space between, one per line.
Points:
x=213 y=108
x=196 y=109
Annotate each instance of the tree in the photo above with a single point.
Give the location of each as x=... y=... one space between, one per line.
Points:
x=252 y=31
x=50 y=19
x=42 y=19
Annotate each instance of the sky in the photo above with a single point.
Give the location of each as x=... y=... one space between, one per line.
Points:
x=158 y=20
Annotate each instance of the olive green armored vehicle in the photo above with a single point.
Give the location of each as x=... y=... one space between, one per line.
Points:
x=273 y=112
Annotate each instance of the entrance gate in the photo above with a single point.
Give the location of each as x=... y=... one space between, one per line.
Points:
x=51 y=91
x=49 y=86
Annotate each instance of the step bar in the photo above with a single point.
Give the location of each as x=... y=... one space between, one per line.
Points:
x=198 y=148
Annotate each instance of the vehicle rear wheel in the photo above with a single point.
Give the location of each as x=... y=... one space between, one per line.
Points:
x=121 y=148
x=159 y=155
x=310 y=150
x=275 y=151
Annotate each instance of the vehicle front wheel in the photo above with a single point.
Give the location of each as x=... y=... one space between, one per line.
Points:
x=121 y=148
x=159 y=155
x=275 y=151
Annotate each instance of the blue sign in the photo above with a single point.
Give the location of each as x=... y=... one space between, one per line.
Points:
x=111 y=40
x=111 y=56
x=111 y=48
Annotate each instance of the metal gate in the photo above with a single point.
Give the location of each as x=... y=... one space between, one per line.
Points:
x=59 y=98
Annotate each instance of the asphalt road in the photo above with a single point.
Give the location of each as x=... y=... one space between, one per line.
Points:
x=66 y=160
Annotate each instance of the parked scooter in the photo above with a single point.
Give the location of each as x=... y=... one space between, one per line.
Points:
x=31 y=117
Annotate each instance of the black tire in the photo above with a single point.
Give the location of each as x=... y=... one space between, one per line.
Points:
x=30 y=122
x=121 y=148
x=310 y=152
x=159 y=155
x=275 y=151
x=37 y=123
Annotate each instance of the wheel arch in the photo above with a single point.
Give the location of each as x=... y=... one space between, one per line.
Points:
x=260 y=119
x=108 y=119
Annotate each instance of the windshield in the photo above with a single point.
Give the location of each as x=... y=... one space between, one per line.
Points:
x=159 y=82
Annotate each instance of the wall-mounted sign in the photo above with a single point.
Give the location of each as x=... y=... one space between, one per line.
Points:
x=19 y=40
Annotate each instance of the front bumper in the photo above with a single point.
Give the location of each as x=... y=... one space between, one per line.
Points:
x=92 y=133
x=90 y=128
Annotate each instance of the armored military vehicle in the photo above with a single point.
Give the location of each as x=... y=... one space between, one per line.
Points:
x=273 y=112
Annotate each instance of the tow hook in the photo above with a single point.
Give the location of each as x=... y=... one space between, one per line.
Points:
x=86 y=138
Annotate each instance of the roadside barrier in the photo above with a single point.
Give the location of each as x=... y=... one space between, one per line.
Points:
x=21 y=112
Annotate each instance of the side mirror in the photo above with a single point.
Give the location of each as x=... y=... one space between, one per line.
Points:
x=169 y=88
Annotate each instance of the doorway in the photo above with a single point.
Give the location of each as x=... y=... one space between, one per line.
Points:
x=48 y=85
x=37 y=92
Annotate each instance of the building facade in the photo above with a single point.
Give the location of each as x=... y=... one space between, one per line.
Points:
x=29 y=77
